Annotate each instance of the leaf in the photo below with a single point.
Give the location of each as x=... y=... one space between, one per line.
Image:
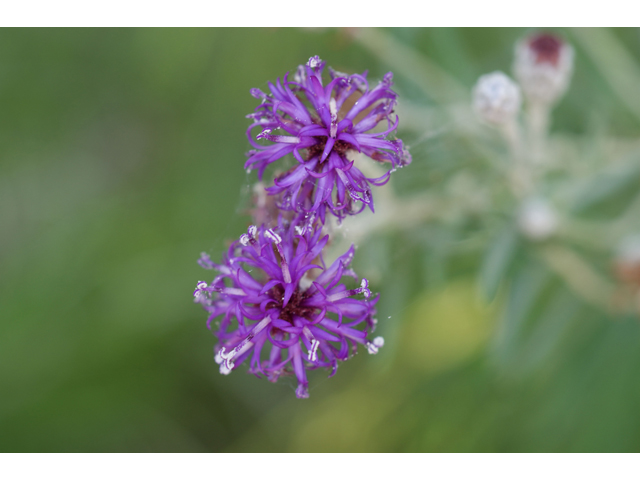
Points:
x=608 y=186
x=525 y=291
x=615 y=63
x=497 y=260
x=547 y=329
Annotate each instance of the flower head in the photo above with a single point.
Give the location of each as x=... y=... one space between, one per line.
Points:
x=543 y=66
x=319 y=124
x=496 y=98
x=282 y=308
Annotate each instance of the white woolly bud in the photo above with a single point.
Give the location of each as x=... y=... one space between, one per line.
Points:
x=537 y=219
x=496 y=98
x=543 y=66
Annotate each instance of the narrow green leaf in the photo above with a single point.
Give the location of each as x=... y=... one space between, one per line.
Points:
x=525 y=292
x=497 y=260
x=607 y=185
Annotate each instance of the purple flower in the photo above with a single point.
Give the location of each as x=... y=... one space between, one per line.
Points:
x=320 y=125
x=282 y=308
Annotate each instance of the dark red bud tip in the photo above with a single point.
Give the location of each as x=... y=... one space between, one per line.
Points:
x=546 y=48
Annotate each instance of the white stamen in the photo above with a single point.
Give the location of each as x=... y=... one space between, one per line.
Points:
x=313 y=353
x=302 y=391
x=250 y=236
x=226 y=359
x=375 y=345
x=336 y=73
x=286 y=274
x=364 y=286
x=205 y=261
x=314 y=61
x=300 y=75
x=200 y=294
x=266 y=134
x=198 y=297
x=271 y=235
x=353 y=193
x=285 y=139
x=334 y=118
x=232 y=291
x=218 y=358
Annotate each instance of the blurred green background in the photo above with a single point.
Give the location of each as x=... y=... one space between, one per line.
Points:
x=121 y=156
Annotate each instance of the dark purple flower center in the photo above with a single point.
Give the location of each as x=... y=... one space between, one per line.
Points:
x=293 y=308
x=340 y=147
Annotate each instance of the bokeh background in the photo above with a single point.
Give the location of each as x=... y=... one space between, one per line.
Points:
x=121 y=159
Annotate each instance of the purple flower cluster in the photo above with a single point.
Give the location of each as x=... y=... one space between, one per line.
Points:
x=275 y=302
x=277 y=306
x=320 y=126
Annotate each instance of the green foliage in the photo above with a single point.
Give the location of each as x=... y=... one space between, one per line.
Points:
x=121 y=159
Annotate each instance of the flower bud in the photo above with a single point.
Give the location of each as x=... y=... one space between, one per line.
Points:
x=496 y=98
x=537 y=219
x=543 y=66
